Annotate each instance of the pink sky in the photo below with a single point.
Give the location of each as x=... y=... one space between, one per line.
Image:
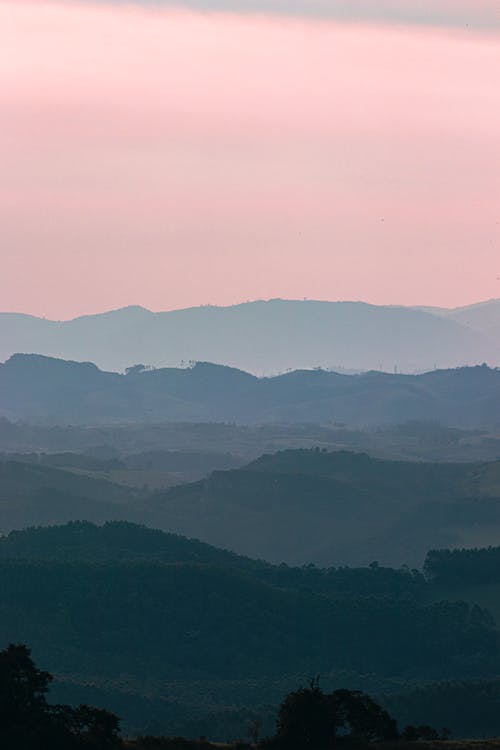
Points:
x=169 y=158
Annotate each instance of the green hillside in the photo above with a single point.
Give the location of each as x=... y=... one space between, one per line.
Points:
x=305 y=506
x=32 y=494
x=113 y=541
x=164 y=629
x=152 y=469
x=297 y=506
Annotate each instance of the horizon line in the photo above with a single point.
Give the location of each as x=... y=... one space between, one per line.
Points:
x=132 y=306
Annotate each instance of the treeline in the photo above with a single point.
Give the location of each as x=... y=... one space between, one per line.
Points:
x=79 y=541
x=187 y=618
x=122 y=540
x=308 y=719
x=470 y=708
x=164 y=603
x=460 y=567
x=29 y=722
x=175 y=635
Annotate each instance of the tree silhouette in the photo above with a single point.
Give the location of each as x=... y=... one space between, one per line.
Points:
x=28 y=722
x=309 y=718
x=306 y=720
x=23 y=707
x=361 y=716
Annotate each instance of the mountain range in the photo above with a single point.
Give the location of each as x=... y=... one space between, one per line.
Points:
x=38 y=388
x=266 y=337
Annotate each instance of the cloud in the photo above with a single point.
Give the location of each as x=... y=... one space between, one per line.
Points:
x=468 y=14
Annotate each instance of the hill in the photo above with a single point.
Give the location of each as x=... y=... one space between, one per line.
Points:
x=335 y=508
x=84 y=541
x=176 y=629
x=32 y=494
x=152 y=469
x=296 y=506
x=185 y=449
x=42 y=389
x=483 y=317
x=260 y=337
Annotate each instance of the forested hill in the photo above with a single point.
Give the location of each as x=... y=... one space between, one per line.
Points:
x=31 y=494
x=200 y=620
x=336 y=508
x=163 y=629
x=114 y=540
x=464 y=567
x=122 y=541
x=296 y=506
x=44 y=389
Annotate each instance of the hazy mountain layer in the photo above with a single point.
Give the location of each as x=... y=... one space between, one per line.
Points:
x=160 y=451
x=483 y=317
x=32 y=495
x=296 y=507
x=267 y=337
x=43 y=389
x=336 y=508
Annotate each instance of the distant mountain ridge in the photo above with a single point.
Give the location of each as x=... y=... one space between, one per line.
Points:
x=483 y=317
x=43 y=389
x=267 y=337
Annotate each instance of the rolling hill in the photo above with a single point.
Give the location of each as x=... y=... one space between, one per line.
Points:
x=483 y=317
x=184 y=449
x=335 y=508
x=32 y=494
x=166 y=629
x=296 y=506
x=41 y=389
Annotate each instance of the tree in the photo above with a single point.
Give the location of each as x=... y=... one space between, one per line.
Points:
x=23 y=687
x=28 y=722
x=305 y=719
x=90 y=727
x=361 y=716
x=309 y=718
x=425 y=733
x=135 y=369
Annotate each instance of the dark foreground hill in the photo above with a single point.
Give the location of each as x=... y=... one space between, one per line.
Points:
x=38 y=388
x=266 y=336
x=164 y=629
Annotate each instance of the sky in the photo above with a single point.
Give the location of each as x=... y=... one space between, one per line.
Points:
x=214 y=152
